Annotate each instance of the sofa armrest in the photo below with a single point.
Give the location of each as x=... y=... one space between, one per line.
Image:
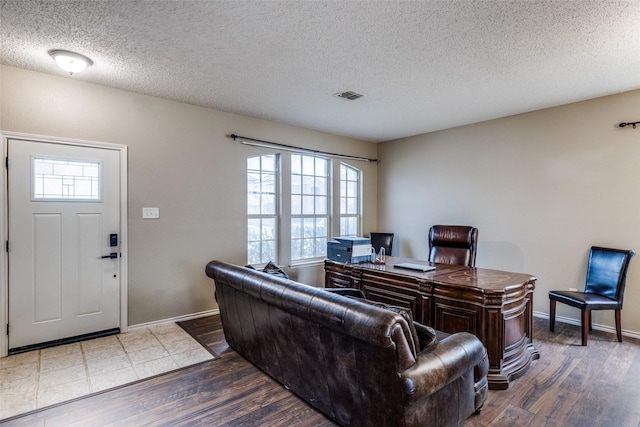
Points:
x=441 y=364
x=347 y=292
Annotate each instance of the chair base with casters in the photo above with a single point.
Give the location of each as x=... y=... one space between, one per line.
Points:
x=604 y=289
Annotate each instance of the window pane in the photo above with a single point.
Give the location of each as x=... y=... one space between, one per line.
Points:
x=307 y=248
x=321 y=185
x=321 y=165
x=352 y=189
x=253 y=182
x=296 y=228
x=268 y=204
x=268 y=183
x=296 y=163
x=321 y=247
x=253 y=163
x=321 y=227
x=253 y=232
x=348 y=226
x=268 y=229
x=296 y=205
x=262 y=203
x=268 y=252
x=269 y=163
x=349 y=200
x=352 y=207
x=296 y=184
x=308 y=165
x=309 y=206
x=321 y=205
x=352 y=174
x=55 y=179
x=253 y=253
x=309 y=227
x=308 y=184
x=253 y=204
x=296 y=249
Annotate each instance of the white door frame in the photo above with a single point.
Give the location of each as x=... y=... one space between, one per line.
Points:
x=4 y=227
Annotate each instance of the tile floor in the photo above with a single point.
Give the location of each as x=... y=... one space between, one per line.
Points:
x=41 y=378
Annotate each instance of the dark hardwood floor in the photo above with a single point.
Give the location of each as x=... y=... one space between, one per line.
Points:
x=569 y=385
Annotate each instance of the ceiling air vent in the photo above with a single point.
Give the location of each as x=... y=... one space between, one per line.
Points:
x=349 y=94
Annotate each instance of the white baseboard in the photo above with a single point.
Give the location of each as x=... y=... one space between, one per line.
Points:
x=576 y=322
x=173 y=320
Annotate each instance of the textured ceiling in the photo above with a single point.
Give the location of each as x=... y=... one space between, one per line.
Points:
x=423 y=65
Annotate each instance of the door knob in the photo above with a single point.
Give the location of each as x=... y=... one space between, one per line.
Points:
x=112 y=255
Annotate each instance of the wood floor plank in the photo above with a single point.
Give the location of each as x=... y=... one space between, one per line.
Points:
x=569 y=385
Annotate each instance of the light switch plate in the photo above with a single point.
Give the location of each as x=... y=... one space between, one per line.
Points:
x=150 y=213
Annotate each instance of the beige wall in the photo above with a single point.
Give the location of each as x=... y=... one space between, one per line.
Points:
x=181 y=161
x=541 y=187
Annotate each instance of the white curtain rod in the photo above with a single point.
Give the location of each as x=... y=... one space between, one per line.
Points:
x=267 y=144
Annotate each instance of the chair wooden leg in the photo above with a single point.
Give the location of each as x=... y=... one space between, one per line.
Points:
x=586 y=320
x=590 y=322
x=552 y=315
x=618 y=325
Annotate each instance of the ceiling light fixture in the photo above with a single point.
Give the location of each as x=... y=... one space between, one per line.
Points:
x=71 y=62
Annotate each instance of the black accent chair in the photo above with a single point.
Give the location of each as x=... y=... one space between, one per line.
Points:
x=382 y=240
x=453 y=244
x=604 y=289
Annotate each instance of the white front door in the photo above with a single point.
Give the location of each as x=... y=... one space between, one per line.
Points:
x=64 y=216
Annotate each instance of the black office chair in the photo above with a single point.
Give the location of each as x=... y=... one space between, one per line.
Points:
x=604 y=290
x=382 y=240
x=453 y=244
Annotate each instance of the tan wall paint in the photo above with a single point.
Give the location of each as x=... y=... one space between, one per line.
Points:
x=542 y=188
x=181 y=161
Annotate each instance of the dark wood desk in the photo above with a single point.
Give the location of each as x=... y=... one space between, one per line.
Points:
x=494 y=305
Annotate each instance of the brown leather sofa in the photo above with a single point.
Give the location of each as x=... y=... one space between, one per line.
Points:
x=359 y=364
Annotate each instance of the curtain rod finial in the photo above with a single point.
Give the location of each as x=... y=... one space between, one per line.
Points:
x=632 y=124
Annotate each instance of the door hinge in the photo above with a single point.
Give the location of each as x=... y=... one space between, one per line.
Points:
x=7 y=329
x=6 y=162
x=7 y=246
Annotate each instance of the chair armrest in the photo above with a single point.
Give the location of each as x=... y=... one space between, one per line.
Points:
x=443 y=363
x=347 y=292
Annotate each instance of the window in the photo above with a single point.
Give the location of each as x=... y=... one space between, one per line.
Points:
x=349 y=201
x=309 y=206
x=320 y=204
x=262 y=203
x=57 y=179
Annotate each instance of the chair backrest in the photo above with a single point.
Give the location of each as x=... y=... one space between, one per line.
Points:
x=607 y=272
x=384 y=240
x=453 y=244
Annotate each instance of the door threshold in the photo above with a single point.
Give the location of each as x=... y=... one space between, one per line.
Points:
x=64 y=341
